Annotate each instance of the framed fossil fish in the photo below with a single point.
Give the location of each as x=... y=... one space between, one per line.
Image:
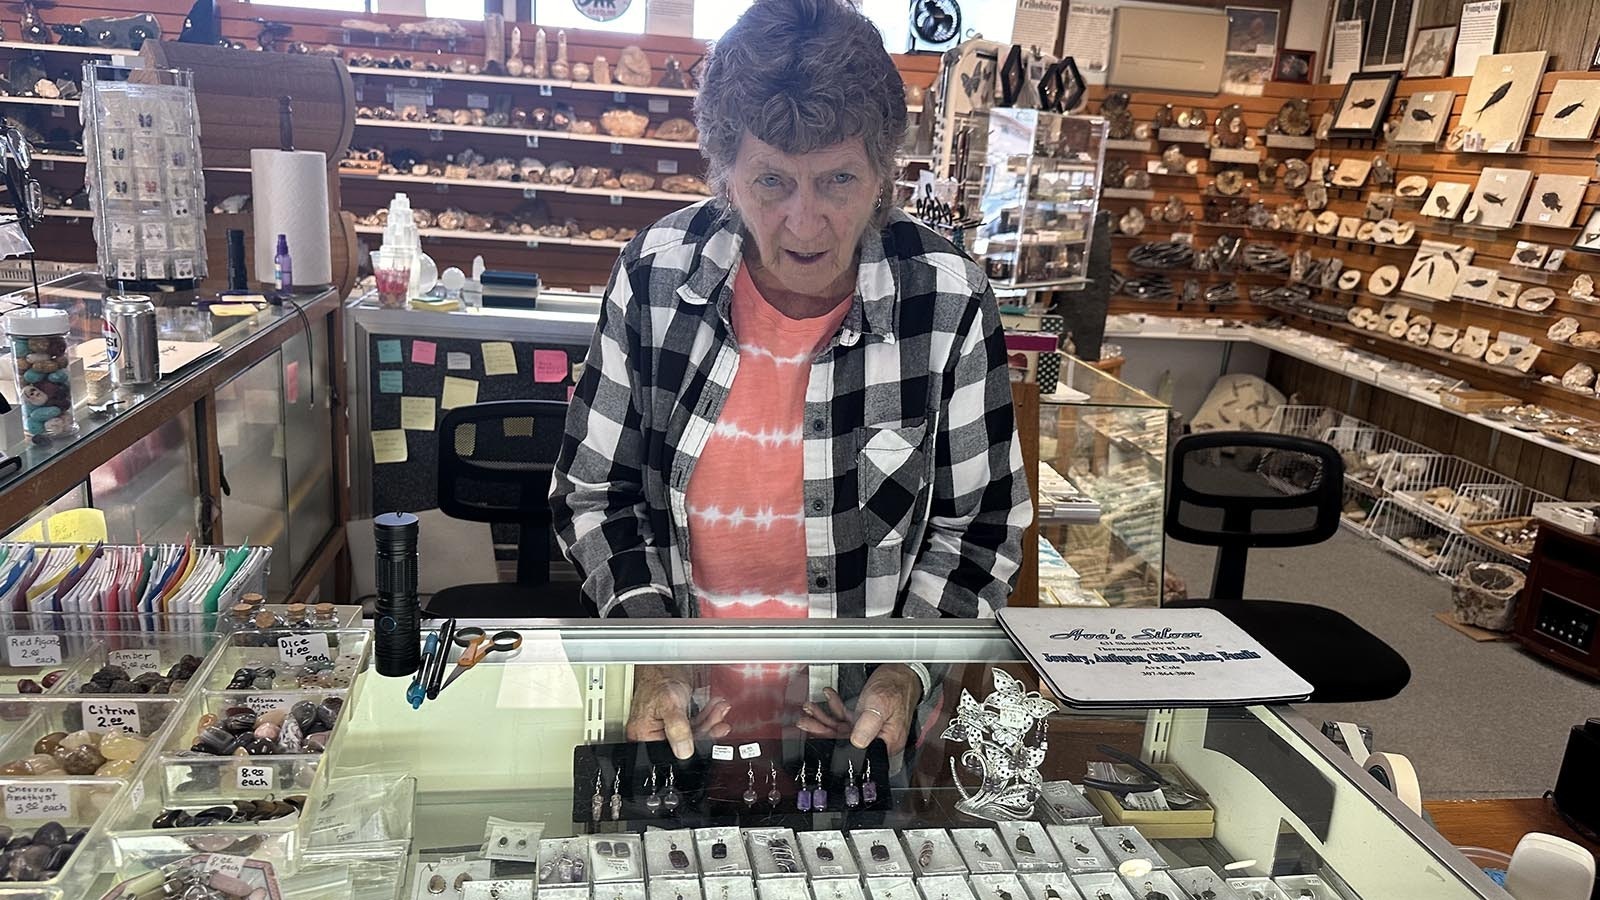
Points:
x=1435 y=269
x=1554 y=200
x=1475 y=283
x=1499 y=197
x=1571 y=112
x=1426 y=116
x=1588 y=239
x=1500 y=99
x=1365 y=105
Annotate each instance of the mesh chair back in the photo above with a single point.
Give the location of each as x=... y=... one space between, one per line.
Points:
x=495 y=460
x=1253 y=489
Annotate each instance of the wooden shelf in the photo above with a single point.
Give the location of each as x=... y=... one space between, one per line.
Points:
x=465 y=78
x=488 y=184
x=37 y=101
x=497 y=238
x=63 y=48
x=527 y=133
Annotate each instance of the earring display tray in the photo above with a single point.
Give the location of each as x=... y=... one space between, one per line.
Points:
x=704 y=790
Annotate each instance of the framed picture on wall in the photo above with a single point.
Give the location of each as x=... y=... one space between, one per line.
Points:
x=1295 y=66
x=1431 y=52
x=1365 y=105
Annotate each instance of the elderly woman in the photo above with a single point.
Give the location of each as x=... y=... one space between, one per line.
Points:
x=796 y=403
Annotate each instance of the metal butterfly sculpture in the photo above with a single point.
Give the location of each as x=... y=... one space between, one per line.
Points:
x=997 y=733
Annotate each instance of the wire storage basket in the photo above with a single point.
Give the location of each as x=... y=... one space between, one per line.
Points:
x=1415 y=538
x=1309 y=421
x=1367 y=451
x=1432 y=484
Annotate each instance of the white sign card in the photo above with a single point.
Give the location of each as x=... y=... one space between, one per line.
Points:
x=1478 y=35
x=33 y=650
x=1036 y=24
x=1148 y=658
x=1088 y=37
x=1345 y=60
x=669 y=17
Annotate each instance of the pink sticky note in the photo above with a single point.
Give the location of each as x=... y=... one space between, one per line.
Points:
x=423 y=352
x=550 y=366
x=291 y=381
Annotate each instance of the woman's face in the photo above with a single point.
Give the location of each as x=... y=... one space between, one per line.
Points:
x=806 y=213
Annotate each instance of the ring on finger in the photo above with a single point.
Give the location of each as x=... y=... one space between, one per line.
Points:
x=874 y=709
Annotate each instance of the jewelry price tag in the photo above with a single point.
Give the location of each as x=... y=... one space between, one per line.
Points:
x=137 y=662
x=722 y=753
x=33 y=650
x=38 y=801
x=750 y=751
x=102 y=716
x=254 y=778
x=294 y=649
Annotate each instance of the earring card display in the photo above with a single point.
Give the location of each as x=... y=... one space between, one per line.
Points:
x=982 y=850
x=711 y=791
x=1080 y=849
x=142 y=149
x=998 y=887
x=1102 y=886
x=892 y=887
x=729 y=887
x=1500 y=99
x=1030 y=847
x=933 y=852
x=1052 y=886
x=722 y=852
x=1200 y=881
x=879 y=851
x=616 y=858
x=827 y=855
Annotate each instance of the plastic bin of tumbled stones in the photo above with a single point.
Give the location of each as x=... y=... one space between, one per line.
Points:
x=253 y=745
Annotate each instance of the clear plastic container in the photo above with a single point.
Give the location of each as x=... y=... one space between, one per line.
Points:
x=44 y=370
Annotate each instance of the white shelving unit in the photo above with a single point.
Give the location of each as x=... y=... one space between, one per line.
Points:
x=496 y=237
x=527 y=133
x=524 y=187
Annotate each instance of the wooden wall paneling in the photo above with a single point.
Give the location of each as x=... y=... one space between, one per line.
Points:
x=1567 y=29
x=1585 y=483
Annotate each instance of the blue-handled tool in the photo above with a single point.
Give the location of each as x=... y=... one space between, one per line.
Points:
x=416 y=691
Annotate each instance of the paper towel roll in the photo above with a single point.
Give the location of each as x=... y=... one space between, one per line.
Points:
x=290 y=194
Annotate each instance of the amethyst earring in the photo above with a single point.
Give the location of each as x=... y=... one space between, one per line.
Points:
x=819 y=794
x=772 y=784
x=869 y=788
x=802 y=800
x=852 y=795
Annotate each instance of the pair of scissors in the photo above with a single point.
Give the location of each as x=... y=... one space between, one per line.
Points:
x=478 y=646
x=1176 y=794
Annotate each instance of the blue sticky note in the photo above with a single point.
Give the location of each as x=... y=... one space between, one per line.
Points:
x=390 y=382
x=388 y=351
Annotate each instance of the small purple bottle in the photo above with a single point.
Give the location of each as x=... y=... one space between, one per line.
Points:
x=283 y=266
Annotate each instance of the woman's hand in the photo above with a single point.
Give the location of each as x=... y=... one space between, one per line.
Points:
x=883 y=710
x=660 y=710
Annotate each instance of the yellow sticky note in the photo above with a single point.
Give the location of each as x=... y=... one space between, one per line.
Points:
x=32 y=534
x=235 y=309
x=76 y=526
x=416 y=413
x=458 y=392
x=389 y=446
x=498 y=359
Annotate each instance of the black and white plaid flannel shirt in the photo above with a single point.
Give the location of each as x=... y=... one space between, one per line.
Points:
x=914 y=494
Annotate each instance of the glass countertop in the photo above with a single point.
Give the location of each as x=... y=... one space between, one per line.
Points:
x=1079 y=377
x=97 y=406
x=546 y=735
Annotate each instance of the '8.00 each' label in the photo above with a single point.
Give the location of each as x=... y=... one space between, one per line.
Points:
x=103 y=716
x=38 y=801
x=33 y=650
x=254 y=778
x=295 y=649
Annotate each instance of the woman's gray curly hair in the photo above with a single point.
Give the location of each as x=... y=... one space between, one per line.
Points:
x=801 y=75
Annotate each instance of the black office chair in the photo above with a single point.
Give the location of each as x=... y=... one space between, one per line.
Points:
x=1235 y=490
x=495 y=461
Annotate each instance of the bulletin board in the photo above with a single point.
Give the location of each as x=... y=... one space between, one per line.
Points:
x=413 y=381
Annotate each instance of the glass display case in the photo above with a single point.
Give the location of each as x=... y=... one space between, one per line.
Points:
x=1040 y=191
x=535 y=766
x=1102 y=491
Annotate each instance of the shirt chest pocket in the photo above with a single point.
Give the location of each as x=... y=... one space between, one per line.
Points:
x=891 y=472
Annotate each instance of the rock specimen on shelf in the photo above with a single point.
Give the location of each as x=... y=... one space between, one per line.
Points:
x=624 y=122
x=541 y=55
x=514 y=64
x=561 y=69
x=602 y=70
x=633 y=67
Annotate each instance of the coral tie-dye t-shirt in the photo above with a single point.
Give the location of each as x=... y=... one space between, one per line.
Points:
x=747 y=539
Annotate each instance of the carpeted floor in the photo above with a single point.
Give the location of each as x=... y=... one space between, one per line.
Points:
x=1478 y=720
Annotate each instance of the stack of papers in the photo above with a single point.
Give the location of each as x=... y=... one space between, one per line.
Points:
x=168 y=587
